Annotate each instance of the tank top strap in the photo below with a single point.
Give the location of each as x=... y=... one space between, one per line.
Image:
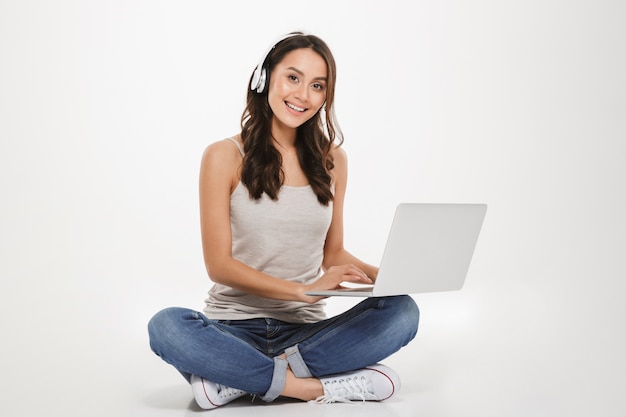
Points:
x=233 y=140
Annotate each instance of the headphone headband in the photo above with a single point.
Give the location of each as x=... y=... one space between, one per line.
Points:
x=259 y=77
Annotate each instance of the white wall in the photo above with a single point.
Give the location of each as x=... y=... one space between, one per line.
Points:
x=106 y=106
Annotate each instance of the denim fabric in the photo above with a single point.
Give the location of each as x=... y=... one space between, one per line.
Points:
x=242 y=353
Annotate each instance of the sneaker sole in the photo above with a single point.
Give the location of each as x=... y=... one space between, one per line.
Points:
x=200 y=394
x=391 y=375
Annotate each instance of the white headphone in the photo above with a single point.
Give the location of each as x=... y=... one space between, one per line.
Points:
x=260 y=76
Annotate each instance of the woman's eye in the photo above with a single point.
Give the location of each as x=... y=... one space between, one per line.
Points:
x=293 y=78
x=318 y=86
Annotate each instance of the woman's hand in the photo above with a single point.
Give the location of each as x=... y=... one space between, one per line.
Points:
x=332 y=279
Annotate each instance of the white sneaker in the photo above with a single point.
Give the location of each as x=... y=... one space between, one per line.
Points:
x=210 y=395
x=374 y=383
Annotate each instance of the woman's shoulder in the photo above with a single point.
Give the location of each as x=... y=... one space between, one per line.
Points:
x=230 y=148
x=339 y=155
x=222 y=154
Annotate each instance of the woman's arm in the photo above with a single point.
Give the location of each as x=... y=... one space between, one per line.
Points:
x=219 y=175
x=334 y=251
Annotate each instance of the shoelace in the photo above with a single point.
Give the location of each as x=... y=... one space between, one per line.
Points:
x=344 y=390
x=225 y=392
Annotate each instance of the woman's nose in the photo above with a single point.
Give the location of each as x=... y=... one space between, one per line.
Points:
x=302 y=92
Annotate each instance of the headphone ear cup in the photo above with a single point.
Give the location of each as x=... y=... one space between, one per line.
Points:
x=263 y=81
x=260 y=77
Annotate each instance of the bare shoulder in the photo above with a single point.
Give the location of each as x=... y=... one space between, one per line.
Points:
x=224 y=148
x=340 y=160
x=340 y=169
x=221 y=158
x=339 y=155
x=222 y=152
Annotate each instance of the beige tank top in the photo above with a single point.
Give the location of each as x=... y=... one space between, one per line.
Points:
x=284 y=239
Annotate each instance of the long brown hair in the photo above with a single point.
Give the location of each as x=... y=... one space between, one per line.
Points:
x=262 y=164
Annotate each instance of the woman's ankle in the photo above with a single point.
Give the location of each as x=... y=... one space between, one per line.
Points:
x=304 y=389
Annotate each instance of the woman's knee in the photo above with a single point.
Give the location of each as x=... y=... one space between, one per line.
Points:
x=407 y=313
x=161 y=320
x=163 y=325
x=410 y=306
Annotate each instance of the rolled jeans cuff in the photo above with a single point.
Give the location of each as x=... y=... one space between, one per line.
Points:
x=278 y=380
x=296 y=363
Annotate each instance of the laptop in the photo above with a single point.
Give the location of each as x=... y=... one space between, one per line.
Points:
x=429 y=249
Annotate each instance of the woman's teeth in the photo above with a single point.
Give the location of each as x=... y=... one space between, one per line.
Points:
x=291 y=106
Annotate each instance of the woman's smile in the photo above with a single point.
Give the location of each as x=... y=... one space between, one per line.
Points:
x=297 y=88
x=294 y=107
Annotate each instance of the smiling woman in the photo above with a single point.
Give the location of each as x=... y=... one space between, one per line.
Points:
x=297 y=91
x=271 y=209
x=302 y=78
x=296 y=94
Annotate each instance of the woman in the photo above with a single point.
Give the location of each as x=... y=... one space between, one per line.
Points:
x=271 y=205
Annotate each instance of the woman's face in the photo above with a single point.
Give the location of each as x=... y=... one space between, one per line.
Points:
x=297 y=88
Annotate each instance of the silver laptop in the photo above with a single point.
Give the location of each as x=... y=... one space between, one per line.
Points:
x=429 y=249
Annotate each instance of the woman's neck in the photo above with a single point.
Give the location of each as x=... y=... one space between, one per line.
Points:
x=283 y=136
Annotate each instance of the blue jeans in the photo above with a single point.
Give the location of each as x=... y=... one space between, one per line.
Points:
x=243 y=354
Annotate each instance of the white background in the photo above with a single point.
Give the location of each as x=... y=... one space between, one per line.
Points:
x=106 y=107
